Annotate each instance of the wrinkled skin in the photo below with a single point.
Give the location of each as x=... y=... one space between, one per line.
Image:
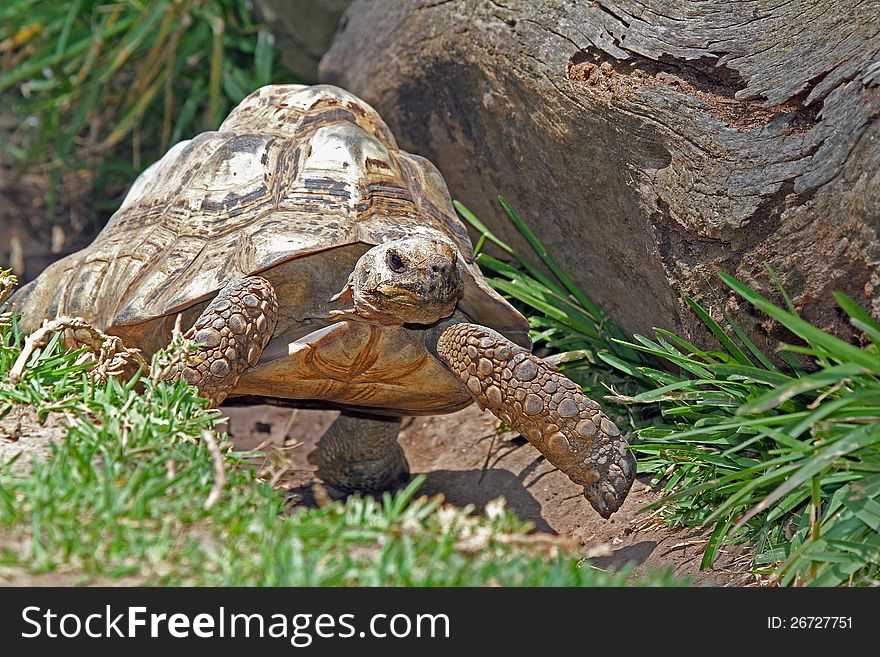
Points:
x=408 y=281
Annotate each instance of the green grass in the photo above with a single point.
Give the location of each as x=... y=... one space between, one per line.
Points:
x=110 y=86
x=126 y=495
x=785 y=457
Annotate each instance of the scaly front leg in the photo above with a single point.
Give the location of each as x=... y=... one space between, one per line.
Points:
x=232 y=331
x=548 y=409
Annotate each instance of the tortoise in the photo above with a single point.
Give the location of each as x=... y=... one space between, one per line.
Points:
x=314 y=261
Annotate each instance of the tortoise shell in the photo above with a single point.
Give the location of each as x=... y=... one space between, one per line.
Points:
x=296 y=184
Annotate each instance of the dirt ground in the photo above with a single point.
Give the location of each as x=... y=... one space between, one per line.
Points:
x=451 y=451
x=31 y=237
x=23 y=436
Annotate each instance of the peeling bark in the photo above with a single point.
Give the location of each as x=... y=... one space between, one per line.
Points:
x=650 y=143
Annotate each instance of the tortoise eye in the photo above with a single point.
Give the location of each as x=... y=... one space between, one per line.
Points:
x=396 y=262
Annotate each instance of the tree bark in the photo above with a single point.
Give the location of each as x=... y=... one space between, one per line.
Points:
x=650 y=143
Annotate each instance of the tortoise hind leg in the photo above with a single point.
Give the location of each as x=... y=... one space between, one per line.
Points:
x=361 y=453
x=232 y=331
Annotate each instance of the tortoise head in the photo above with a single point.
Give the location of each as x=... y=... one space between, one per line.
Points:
x=414 y=280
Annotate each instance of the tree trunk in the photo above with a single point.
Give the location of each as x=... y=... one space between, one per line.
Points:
x=650 y=143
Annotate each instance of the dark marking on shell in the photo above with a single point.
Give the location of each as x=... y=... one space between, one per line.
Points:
x=327 y=116
x=378 y=164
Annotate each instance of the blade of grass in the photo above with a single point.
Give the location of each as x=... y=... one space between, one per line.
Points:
x=719 y=333
x=827 y=377
x=857 y=439
x=841 y=349
x=551 y=264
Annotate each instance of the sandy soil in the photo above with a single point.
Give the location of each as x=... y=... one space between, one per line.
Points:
x=24 y=438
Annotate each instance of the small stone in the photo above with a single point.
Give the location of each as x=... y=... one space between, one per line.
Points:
x=218 y=323
x=472 y=352
x=485 y=343
x=568 y=408
x=250 y=300
x=485 y=367
x=519 y=394
x=526 y=370
x=219 y=368
x=589 y=403
x=230 y=353
x=493 y=394
x=502 y=353
x=264 y=306
x=532 y=405
x=473 y=384
x=222 y=305
x=261 y=323
x=550 y=387
x=253 y=355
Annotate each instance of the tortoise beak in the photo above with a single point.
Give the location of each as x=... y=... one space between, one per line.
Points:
x=398 y=294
